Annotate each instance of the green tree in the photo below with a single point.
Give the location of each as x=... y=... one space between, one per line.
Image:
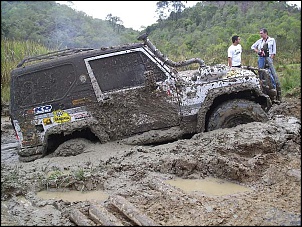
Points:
x=172 y=7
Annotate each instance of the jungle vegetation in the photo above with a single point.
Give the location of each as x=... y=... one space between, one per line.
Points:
x=204 y=31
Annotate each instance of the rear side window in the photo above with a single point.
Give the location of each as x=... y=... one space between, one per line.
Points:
x=43 y=86
x=123 y=71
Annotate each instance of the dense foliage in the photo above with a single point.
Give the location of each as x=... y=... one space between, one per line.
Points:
x=59 y=26
x=206 y=29
x=202 y=31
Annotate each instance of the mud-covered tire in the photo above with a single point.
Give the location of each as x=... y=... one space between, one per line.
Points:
x=235 y=112
x=29 y=158
x=72 y=147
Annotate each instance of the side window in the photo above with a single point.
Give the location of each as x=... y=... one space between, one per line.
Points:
x=123 y=71
x=44 y=86
x=151 y=66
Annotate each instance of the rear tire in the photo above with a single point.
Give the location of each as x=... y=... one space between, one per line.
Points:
x=72 y=147
x=235 y=112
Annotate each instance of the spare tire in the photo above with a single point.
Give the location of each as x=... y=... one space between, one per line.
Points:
x=235 y=112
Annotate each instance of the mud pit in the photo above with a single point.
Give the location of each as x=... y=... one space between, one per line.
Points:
x=264 y=158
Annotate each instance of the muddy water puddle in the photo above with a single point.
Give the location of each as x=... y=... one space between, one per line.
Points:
x=209 y=186
x=73 y=196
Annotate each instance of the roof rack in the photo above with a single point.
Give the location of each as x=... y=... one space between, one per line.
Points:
x=53 y=54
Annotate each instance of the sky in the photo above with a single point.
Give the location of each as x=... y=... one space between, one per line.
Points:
x=134 y=14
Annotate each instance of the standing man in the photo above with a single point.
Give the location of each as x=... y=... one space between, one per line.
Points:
x=234 y=52
x=265 y=47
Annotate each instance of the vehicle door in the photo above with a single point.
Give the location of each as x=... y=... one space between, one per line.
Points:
x=134 y=92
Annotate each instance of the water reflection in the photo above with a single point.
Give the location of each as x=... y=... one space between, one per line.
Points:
x=73 y=196
x=209 y=186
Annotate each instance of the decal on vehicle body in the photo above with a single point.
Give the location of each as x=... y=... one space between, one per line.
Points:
x=79 y=101
x=18 y=130
x=60 y=116
x=42 y=109
x=82 y=115
x=47 y=121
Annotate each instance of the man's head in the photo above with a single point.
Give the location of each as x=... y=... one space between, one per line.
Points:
x=263 y=33
x=236 y=39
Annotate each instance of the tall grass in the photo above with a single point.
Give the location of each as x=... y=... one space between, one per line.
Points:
x=12 y=52
x=290 y=79
x=288 y=70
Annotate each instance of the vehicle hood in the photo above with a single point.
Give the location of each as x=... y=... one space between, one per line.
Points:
x=216 y=72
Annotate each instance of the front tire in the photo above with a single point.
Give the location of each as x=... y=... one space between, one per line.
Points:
x=235 y=112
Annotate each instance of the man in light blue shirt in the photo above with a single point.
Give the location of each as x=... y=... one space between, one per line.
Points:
x=266 y=47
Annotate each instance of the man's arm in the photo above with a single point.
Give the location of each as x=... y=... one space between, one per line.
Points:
x=230 y=54
x=230 y=61
x=255 y=46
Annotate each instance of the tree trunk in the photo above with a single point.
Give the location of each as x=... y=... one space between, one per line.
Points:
x=80 y=219
x=131 y=212
x=100 y=215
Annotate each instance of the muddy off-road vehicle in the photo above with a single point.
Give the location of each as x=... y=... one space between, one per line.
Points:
x=128 y=91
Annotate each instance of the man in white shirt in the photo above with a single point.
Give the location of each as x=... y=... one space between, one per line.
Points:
x=266 y=47
x=234 y=52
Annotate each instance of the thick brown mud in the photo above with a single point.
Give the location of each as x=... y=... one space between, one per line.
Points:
x=261 y=162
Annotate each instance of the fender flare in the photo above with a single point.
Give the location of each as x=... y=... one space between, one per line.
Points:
x=235 y=91
x=70 y=127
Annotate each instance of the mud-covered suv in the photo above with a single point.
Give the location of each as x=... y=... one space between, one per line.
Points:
x=124 y=92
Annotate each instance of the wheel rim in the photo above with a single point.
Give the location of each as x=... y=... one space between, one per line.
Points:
x=233 y=121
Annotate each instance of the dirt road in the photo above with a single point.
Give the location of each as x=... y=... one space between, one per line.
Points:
x=255 y=167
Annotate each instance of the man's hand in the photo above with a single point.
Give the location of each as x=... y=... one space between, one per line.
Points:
x=261 y=53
